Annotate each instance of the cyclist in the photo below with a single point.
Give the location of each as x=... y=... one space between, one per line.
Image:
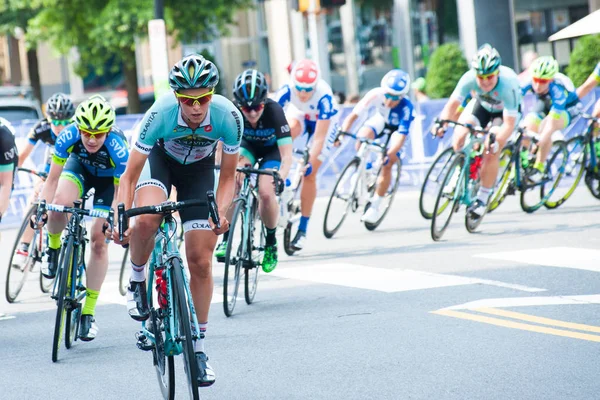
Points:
x=176 y=146
x=89 y=153
x=267 y=141
x=590 y=83
x=8 y=163
x=556 y=106
x=59 y=112
x=315 y=113
x=497 y=101
x=394 y=110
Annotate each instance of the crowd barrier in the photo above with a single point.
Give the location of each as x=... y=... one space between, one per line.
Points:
x=419 y=151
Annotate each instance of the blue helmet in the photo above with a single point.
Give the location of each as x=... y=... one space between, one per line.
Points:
x=396 y=82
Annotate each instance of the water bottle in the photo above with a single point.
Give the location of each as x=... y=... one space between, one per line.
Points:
x=524 y=158
x=597 y=147
x=284 y=199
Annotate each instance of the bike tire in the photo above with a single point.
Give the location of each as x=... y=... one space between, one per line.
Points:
x=65 y=264
x=123 y=279
x=72 y=325
x=12 y=291
x=185 y=330
x=256 y=242
x=505 y=179
x=287 y=240
x=352 y=168
x=442 y=201
x=234 y=258
x=592 y=173
x=74 y=308
x=446 y=156
x=573 y=145
x=390 y=197
x=528 y=207
x=164 y=365
x=472 y=224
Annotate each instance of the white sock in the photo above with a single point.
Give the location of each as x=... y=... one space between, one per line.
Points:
x=138 y=272
x=484 y=194
x=375 y=200
x=199 y=344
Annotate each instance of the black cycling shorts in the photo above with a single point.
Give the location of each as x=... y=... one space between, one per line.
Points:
x=266 y=156
x=483 y=116
x=104 y=187
x=192 y=181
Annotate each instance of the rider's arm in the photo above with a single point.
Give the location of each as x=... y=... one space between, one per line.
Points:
x=62 y=149
x=590 y=83
x=230 y=155
x=7 y=162
x=349 y=121
x=129 y=179
x=51 y=183
x=6 y=179
x=285 y=151
x=284 y=138
x=360 y=108
x=119 y=154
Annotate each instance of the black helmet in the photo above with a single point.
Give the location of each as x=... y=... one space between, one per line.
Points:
x=193 y=72
x=59 y=106
x=250 y=88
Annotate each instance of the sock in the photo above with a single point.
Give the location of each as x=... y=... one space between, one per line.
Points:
x=138 y=273
x=539 y=166
x=375 y=200
x=91 y=296
x=271 y=239
x=199 y=344
x=24 y=247
x=54 y=240
x=303 y=223
x=484 y=194
x=226 y=236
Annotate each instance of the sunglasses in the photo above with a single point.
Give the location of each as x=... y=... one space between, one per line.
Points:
x=541 y=81
x=95 y=134
x=191 y=100
x=487 y=76
x=58 y=122
x=257 y=108
x=304 y=89
x=392 y=97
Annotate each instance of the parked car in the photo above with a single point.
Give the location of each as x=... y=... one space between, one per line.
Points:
x=25 y=92
x=17 y=109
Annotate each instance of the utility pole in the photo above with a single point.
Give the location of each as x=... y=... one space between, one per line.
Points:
x=157 y=37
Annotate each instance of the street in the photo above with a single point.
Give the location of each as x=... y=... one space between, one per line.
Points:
x=511 y=312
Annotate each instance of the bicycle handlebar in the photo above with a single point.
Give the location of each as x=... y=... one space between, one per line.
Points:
x=470 y=127
x=362 y=139
x=43 y=207
x=40 y=174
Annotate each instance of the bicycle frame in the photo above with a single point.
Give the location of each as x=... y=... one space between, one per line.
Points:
x=366 y=148
x=467 y=150
x=588 y=141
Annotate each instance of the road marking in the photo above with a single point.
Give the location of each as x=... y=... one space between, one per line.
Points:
x=561 y=257
x=4 y=317
x=517 y=325
x=540 y=320
x=527 y=301
x=381 y=279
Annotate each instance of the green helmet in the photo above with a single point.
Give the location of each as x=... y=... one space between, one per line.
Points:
x=544 y=67
x=95 y=113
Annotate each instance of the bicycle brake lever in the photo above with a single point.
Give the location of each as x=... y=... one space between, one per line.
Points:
x=213 y=209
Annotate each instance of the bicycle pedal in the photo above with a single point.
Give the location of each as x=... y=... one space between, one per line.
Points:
x=511 y=190
x=143 y=343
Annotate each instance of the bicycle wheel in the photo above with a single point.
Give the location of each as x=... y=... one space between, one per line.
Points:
x=185 y=332
x=123 y=279
x=287 y=232
x=65 y=265
x=74 y=306
x=504 y=179
x=531 y=198
x=163 y=364
x=72 y=325
x=573 y=172
x=471 y=224
x=235 y=255
x=388 y=199
x=16 y=277
x=447 y=198
x=432 y=181
x=40 y=240
x=592 y=173
x=256 y=242
x=342 y=199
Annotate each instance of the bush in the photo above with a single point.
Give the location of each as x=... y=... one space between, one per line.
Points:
x=583 y=59
x=446 y=66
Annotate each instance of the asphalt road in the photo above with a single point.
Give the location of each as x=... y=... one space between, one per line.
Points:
x=511 y=312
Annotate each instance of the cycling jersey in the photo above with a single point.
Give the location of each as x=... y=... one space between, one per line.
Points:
x=9 y=157
x=42 y=131
x=596 y=73
x=505 y=97
x=164 y=126
x=272 y=128
x=109 y=161
x=399 y=118
x=560 y=95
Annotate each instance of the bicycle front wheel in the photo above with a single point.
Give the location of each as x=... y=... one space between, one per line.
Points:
x=163 y=364
x=504 y=180
x=16 y=275
x=342 y=198
x=65 y=265
x=433 y=180
x=235 y=255
x=448 y=197
x=388 y=199
x=256 y=240
x=573 y=172
x=185 y=331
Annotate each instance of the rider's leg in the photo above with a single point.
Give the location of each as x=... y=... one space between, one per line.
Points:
x=490 y=165
x=366 y=131
x=246 y=160
x=553 y=122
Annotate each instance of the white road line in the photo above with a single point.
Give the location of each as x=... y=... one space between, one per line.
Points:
x=383 y=280
x=560 y=257
x=527 y=301
x=4 y=317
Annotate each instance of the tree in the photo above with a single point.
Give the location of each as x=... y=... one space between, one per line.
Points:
x=16 y=14
x=583 y=59
x=446 y=67
x=103 y=30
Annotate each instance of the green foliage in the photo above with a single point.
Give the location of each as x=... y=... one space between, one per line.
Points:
x=446 y=66
x=16 y=14
x=219 y=89
x=583 y=59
